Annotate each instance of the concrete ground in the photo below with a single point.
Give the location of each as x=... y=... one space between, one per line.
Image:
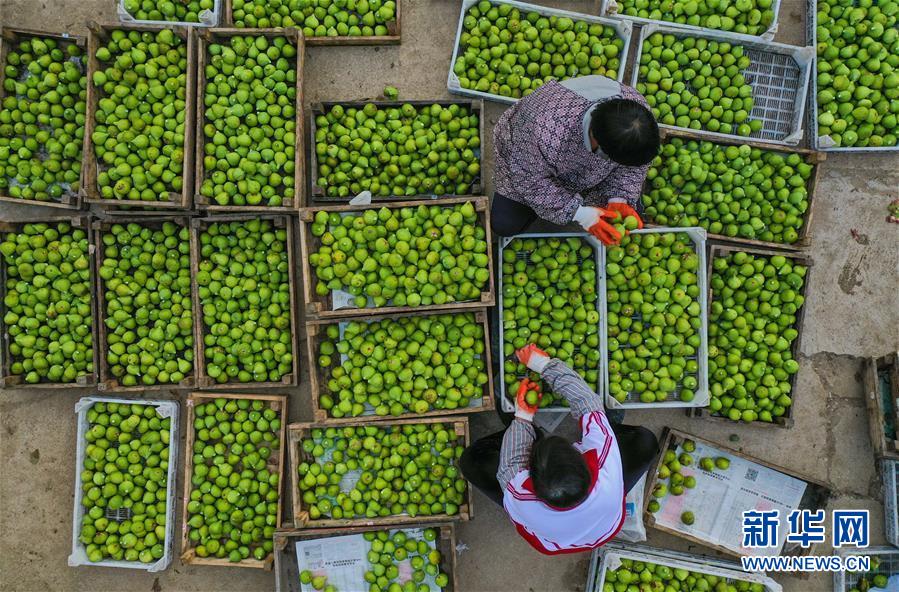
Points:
x=852 y=315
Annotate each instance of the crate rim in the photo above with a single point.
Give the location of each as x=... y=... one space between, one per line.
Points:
x=799 y=104
x=623 y=29
x=702 y=396
x=82 y=406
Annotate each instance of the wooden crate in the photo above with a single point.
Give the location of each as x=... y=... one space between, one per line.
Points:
x=722 y=250
x=7 y=380
x=208 y=36
x=318 y=376
x=886 y=367
x=276 y=402
x=107 y=381
x=9 y=38
x=809 y=156
x=98 y=35
x=392 y=37
x=287 y=574
x=320 y=307
x=204 y=381
x=297 y=431
x=318 y=194
x=816 y=495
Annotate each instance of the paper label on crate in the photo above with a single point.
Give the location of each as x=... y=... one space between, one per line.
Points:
x=826 y=142
x=721 y=496
x=363 y=199
x=341 y=299
x=342 y=559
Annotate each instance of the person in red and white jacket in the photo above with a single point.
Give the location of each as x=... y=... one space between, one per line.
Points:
x=561 y=497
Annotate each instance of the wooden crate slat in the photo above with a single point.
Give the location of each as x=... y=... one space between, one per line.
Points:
x=297 y=431
x=318 y=307
x=108 y=382
x=276 y=402
x=883 y=447
x=7 y=380
x=90 y=166
x=208 y=36
x=198 y=225
x=722 y=250
x=318 y=376
x=9 y=37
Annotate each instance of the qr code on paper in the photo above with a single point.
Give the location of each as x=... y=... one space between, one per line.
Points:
x=751 y=474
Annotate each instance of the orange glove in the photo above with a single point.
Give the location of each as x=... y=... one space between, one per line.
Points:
x=523 y=410
x=533 y=357
x=594 y=221
x=625 y=211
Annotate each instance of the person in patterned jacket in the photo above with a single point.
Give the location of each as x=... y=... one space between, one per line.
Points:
x=576 y=150
x=561 y=497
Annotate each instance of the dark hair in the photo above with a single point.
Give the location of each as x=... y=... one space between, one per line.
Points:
x=560 y=475
x=626 y=131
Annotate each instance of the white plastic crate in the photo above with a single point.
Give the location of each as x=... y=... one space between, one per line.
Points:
x=79 y=555
x=701 y=396
x=624 y=30
x=610 y=556
x=505 y=403
x=824 y=143
x=778 y=74
x=890 y=472
x=609 y=9
x=887 y=557
x=208 y=18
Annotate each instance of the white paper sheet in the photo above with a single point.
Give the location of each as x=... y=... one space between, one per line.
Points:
x=344 y=561
x=721 y=496
x=341 y=559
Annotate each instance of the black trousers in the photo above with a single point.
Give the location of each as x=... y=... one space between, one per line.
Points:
x=508 y=218
x=480 y=461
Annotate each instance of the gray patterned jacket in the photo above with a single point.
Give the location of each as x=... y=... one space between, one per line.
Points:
x=541 y=160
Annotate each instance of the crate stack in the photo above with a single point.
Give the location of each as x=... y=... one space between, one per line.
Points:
x=397 y=393
x=745 y=192
x=147 y=284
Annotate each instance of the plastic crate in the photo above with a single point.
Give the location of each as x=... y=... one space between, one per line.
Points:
x=607 y=7
x=890 y=471
x=610 y=556
x=701 y=396
x=624 y=30
x=208 y=18
x=79 y=556
x=778 y=75
x=811 y=23
x=887 y=557
x=505 y=403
